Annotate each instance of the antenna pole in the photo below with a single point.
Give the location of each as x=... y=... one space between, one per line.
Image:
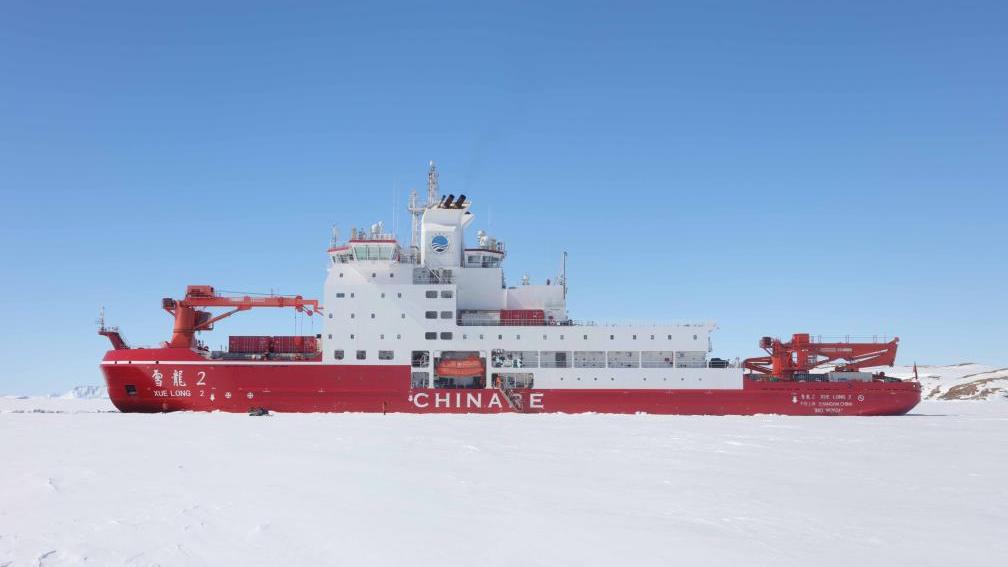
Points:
x=432 y=185
x=563 y=274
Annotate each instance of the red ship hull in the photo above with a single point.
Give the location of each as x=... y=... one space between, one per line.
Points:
x=174 y=379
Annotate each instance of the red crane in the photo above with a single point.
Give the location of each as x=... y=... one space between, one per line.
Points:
x=189 y=319
x=802 y=354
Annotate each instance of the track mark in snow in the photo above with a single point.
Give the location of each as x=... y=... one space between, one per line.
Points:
x=41 y=558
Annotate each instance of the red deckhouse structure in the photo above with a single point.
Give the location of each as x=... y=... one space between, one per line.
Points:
x=433 y=326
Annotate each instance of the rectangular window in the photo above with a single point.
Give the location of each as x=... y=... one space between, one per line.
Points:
x=589 y=359
x=337 y=354
x=361 y=354
x=419 y=379
x=513 y=379
x=431 y=294
x=514 y=358
x=447 y=315
x=385 y=355
x=657 y=359
x=430 y=336
x=555 y=359
x=446 y=336
x=623 y=359
x=340 y=295
x=447 y=293
x=691 y=359
x=431 y=314
x=420 y=359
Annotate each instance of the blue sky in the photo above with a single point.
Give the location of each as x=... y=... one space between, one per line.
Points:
x=779 y=166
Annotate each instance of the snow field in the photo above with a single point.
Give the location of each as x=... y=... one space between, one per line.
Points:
x=349 y=489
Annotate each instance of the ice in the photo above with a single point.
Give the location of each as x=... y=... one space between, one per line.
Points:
x=85 y=485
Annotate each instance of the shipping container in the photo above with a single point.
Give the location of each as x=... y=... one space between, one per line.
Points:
x=522 y=316
x=295 y=344
x=249 y=344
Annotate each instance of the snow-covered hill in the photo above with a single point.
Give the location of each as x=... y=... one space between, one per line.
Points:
x=965 y=381
x=86 y=392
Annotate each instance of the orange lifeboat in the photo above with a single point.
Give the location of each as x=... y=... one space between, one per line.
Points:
x=471 y=365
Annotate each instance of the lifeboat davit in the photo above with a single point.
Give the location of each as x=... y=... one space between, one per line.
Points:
x=466 y=367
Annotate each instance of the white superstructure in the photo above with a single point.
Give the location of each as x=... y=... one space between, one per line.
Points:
x=443 y=298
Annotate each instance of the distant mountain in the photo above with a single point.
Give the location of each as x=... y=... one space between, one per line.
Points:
x=85 y=392
x=965 y=381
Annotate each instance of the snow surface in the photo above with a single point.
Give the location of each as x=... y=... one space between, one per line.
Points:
x=81 y=483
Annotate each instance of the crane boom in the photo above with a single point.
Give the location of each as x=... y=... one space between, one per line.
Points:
x=802 y=354
x=189 y=319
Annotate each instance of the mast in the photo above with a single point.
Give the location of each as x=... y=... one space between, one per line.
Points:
x=432 y=185
x=415 y=211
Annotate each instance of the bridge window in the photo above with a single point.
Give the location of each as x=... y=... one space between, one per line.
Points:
x=430 y=336
x=447 y=315
x=337 y=354
x=446 y=336
x=431 y=314
x=431 y=294
x=447 y=293
x=385 y=355
x=361 y=354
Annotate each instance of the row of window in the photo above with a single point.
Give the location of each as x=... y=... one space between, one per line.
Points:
x=362 y=355
x=597 y=359
x=430 y=294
